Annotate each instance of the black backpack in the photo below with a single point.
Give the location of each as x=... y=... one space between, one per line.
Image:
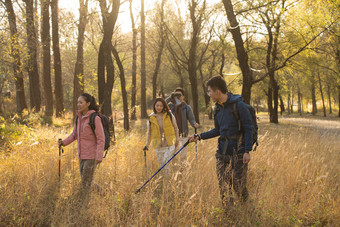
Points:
x=253 y=119
x=105 y=123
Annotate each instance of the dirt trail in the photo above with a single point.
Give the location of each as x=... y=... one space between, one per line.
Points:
x=314 y=123
x=323 y=126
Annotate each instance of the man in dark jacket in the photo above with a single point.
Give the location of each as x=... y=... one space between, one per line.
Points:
x=232 y=156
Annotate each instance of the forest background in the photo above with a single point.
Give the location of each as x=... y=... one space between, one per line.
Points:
x=283 y=56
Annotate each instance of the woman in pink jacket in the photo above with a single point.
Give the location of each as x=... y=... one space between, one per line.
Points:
x=90 y=145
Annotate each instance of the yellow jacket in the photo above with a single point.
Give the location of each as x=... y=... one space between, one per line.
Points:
x=166 y=127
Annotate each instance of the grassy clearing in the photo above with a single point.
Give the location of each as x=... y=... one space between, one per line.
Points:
x=293 y=180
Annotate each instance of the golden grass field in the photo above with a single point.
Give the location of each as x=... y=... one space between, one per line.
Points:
x=293 y=180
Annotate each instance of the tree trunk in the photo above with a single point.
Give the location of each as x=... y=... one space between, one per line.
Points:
x=322 y=97
x=270 y=100
x=314 y=111
x=275 y=89
x=292 y=106
x=46 y=42
x=337 y=58
x=196 y=22
x=206 y=96
x=242 y=55
x=1 y=96
x=134 y=66
x=160 y=52
x=123 y=88
x=302 y=110
x=17 y=67
x=339 y=100
x=37 y=21
x=179 y=74
x=157 y=67
x=288 y=102
x=258 y=100
x=78 y=77
x=222 y=64
x=110 y=77
x=101 y=73
x=271 y=57
x=105 y=62
x=329 y=98
x=299 y=101
x=33 y=71
x=161 y=92
x=143 y=72
x=282 y=106
x=105 y=87
x=193 y=81
x=205 y=89
x=58 y=86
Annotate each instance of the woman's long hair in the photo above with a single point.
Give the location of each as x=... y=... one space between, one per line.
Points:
x=93 y=104
x=166 y=108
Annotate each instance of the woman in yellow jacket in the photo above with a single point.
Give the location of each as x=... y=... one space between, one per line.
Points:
x=162 y=132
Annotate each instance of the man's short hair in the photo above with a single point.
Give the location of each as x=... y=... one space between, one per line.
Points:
x=217 y=83
x=180 y=89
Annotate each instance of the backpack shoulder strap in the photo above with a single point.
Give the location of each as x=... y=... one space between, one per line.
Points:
x=91 y=122
x=186 y=110
x=172 y=107
x=237 y=115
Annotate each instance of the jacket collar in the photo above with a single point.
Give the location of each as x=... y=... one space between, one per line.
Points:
x=155 y=115
x=87 y=114
x=226 y=102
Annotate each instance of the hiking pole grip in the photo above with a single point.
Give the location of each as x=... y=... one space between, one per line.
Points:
x=186 y=143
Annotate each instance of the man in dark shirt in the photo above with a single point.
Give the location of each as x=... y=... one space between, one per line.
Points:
x=234 y=145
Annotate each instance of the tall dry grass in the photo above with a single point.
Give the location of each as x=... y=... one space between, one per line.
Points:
x=293 y=180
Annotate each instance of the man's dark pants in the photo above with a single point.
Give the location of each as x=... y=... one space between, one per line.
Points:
x=231 y=173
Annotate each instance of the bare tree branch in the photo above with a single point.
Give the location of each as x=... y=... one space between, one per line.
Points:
x=255 y=7
x=178 y=43
x=302 y=48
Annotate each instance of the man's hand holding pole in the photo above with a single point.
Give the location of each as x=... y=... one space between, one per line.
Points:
x=194 y=138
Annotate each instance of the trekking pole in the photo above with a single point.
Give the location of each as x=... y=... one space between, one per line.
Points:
x=196 y=143
x=186 y=143
x=61 y=150
x=105 y=153
x=145 y=163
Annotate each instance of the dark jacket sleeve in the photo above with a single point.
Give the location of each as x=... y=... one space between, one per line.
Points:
x=247 y=125
x=211 y=133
